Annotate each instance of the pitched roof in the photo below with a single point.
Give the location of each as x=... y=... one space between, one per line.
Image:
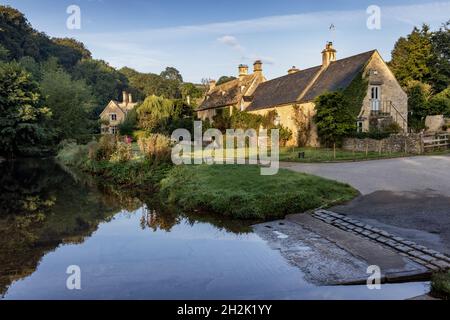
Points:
x=291 y=88
x=282 y=90
x=228 y=93
x=121 y=106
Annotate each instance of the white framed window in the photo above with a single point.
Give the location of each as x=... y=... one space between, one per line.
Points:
x=114 y=130
x=113 y=116
x=359 y=126
x=375 y=98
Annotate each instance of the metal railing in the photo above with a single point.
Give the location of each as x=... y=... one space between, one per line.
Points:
x=386 y=108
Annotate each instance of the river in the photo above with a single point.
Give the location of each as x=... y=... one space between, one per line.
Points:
x=126 y=246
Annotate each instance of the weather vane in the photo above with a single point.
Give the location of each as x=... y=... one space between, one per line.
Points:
x=332 y=29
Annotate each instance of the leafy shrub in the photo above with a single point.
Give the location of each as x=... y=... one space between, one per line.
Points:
x=285 y=134
x=392 y=128
x=156 y=147
x=334 y=118
x=123 y=153
x=73 y=154
x=440 y=285
x=106 y=147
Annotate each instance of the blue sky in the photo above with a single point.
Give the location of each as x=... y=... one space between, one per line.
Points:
x=207 y=39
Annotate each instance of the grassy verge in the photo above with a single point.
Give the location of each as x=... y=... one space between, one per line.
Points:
x=237 y=191
x=327 y=155
x=241 y=192
x=440 y=285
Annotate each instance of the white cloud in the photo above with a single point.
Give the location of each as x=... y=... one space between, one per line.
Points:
x=150 y=49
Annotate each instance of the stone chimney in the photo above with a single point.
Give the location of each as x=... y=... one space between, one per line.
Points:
x=124 y=97
x=293 y=70
x=130 y=98
x=243 y=70
x=328 y=55
x=212 y=85
x=257 y=66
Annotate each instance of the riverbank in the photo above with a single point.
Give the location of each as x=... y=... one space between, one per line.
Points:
x=237 y=191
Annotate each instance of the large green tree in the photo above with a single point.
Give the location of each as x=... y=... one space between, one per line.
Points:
x=440 y=64
x=148 y=84
x=106 y=82
x=171 y=73
x=412 y=56
x=20 y=39
x=24 y=119
x=224 y=79
x=334 y=118
x=70 y=101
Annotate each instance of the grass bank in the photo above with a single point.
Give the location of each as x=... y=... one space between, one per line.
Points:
x=236 y=191
x=440 y=285
x=240 y=191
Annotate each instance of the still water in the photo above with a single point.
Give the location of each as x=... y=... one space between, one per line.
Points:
x=129 y=247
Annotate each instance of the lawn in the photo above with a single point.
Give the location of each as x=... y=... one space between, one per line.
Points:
x=327 y=155
x=240 y=191
x=440 y=285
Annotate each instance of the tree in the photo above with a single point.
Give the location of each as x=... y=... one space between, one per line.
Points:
x=149 y=84
x=70 y=101
x=4 y=53
x=20 y=39
x=440 y=103
x=106 y=82
x=154 y=112
x=23 y=124
x=224 y=79
x=334 y=118
x=171 y=73
x=419 y=95
x=129 y=125
x=440 y=64
x=412 y=56
x=69 y=52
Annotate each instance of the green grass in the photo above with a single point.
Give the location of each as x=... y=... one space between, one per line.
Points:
x=440 y=285
x=327 y=155
x=242 y=192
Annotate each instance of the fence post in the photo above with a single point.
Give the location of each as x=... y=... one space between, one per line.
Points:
x=422 y=144
x=367 y=148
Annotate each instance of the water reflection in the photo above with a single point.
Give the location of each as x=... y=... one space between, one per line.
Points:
x=130 y=246
x=44 y=205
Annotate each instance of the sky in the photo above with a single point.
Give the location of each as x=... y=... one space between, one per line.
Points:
x=210 y=38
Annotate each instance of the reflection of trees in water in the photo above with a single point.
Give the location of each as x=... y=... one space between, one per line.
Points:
x=43 y=205
x=158 y=221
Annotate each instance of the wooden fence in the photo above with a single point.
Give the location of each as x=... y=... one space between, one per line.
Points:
x=434 y=141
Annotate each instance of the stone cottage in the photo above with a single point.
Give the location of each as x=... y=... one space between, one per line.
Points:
x=115 y=113
x=292 y=96
x=236 y=93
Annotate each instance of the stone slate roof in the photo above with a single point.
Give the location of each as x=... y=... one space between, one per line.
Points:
x=291 y=88
x=282 y=90
x=228 y=93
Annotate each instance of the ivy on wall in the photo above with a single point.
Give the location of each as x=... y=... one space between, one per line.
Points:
x=355 y=93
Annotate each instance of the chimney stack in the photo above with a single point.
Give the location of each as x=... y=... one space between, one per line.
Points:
x=293 y=70
x=328 y=55
x=124 y=97
x=212 y=84
x=257 y=66
x=130 y=98
x=243 y=70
